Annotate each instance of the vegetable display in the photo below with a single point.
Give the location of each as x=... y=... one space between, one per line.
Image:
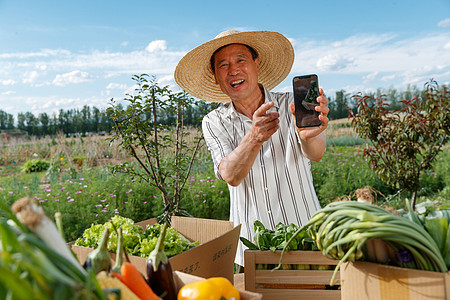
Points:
x=350 y=230
x=136 y=242
x=36 y=262
x=33 y=268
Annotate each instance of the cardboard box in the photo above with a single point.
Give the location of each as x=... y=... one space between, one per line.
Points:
x=291 y=284
x=213 y=257
x=181 y=279
x=371 y=281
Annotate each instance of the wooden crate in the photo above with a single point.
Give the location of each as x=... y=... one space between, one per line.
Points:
x=291 y=284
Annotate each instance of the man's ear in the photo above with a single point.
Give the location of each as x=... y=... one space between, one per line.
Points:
x=215 y=78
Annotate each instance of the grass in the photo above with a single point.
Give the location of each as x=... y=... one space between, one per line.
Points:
x=88 y=192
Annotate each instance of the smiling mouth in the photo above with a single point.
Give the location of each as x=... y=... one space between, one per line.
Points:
x=237 y=83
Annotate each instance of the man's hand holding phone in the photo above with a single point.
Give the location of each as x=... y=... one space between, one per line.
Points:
x=310 y=107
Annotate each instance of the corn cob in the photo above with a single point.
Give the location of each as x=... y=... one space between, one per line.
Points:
x=109 y=282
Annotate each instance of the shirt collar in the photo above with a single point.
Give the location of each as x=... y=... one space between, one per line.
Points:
x=230 y=111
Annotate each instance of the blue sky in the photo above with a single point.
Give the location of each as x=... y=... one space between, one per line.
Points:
x=67 y=54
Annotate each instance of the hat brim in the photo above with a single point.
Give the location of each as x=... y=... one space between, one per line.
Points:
x=276 y=57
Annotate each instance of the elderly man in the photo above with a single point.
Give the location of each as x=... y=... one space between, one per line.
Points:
x=254 y=142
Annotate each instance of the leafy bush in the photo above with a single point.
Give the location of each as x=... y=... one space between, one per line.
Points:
x=405 y=142
x=162 y=147
x=35 y=165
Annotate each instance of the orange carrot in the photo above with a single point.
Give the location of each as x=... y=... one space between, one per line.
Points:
x=134 y=280
x=118 y=276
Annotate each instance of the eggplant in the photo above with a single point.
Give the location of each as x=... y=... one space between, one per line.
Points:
x=159 y=271
x=99 y=259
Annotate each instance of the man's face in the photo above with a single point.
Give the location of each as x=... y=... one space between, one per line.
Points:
x=236 y=72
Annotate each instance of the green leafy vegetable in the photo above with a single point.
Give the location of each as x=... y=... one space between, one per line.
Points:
x=267 y=239
x=136 y=241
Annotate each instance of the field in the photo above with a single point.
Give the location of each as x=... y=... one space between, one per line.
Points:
x=81 y=185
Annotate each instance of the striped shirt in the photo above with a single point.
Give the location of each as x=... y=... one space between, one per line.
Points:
x=279 y=187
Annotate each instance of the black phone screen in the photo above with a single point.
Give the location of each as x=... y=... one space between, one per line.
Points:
x=306 y=91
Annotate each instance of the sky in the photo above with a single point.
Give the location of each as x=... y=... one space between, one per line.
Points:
x=67 y=54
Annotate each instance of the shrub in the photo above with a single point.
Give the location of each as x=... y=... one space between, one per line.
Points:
x=35 y=165
x=404 y=142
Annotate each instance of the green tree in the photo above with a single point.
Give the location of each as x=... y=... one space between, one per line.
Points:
x=21 y=121
x=45 y=122
x=339 y=106
x=164 y=154
x=86 y=118
x=6 y=120
x=404 y=142
x=95 y=119
x=31 y=123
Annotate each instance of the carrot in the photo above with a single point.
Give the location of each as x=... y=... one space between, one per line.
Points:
x=134 y=280
x=118 y=276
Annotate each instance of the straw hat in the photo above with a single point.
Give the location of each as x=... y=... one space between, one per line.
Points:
x=275 y=52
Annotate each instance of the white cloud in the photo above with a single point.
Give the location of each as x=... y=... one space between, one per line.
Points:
x=8 y=93
x=412 y=60
x=444 y=23
x=71 y=77
x=41 y=67
x=333 y=62
x=117 y=86
x=370 y=76
x=44 y=53
x=8 y=82
x=387 y=78
x=30 y=76
x=356 y=63
x=156 y=46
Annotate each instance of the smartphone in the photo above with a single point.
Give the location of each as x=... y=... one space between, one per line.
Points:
x=306 y=91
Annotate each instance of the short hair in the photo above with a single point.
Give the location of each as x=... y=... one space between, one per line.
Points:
x=252 y=52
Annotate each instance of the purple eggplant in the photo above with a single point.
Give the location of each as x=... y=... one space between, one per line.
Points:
x=159 y=271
